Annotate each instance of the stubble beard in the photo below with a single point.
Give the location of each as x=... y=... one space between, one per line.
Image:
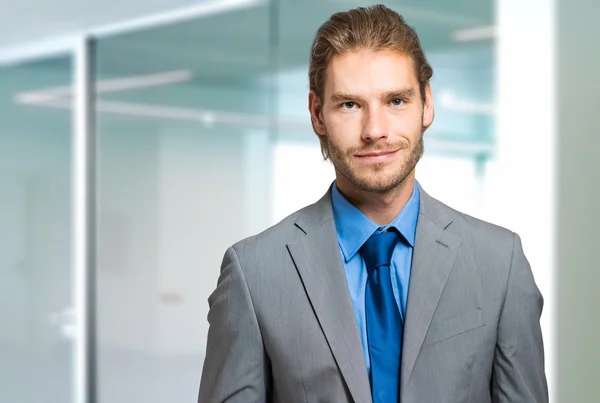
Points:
x=376 y=180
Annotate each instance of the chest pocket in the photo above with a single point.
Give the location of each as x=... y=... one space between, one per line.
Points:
x=463 y=323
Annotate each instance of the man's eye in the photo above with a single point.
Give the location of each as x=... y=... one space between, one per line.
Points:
x=397 y=102
x=349 y=105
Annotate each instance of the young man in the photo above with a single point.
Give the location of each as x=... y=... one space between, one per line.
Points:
x=377 y=292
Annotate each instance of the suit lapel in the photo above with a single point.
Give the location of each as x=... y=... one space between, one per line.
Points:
x=317 y=258
x=433 y=257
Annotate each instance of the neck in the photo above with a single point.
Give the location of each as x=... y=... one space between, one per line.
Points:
x=379 y=207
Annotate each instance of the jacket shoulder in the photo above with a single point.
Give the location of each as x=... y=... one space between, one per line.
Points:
x=272 y=238
x=481 y=235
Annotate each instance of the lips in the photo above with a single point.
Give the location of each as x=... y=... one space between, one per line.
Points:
x=377 y=156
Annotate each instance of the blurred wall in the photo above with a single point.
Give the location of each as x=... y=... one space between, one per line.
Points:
x=578 y=198
x=548 y=146
x=165 y=221
x=522 y=181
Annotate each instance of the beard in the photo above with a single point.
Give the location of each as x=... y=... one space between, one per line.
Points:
x=376 y=178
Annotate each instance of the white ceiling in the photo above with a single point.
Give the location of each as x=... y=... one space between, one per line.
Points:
x=25 y=23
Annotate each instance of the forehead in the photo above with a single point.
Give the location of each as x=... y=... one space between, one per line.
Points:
x=367 y=71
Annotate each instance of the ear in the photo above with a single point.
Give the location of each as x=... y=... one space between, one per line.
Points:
x=315 y=107
x=428 y=109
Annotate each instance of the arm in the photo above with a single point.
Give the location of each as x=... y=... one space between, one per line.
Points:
x=519 y=360
x=235 y=367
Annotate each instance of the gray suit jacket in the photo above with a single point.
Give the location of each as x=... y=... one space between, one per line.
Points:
x=282 y=325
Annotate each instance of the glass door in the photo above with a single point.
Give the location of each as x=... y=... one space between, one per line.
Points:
x=36 y=340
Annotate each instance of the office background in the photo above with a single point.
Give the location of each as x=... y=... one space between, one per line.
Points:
x=203 y=138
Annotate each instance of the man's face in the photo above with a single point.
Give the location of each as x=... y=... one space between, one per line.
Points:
x=373 y=118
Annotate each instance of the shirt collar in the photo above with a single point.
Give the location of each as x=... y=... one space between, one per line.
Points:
x=354 y=228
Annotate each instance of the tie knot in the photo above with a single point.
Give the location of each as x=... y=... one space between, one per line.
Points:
x=378 y=249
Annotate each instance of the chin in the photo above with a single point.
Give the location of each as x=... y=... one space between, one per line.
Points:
x=381 y=184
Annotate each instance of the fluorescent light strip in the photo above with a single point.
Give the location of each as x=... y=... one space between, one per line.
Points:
x=447 y=101
x=430 y=14
x=106 y=86
x=448 y=146
x=475 y=34
x=206 y=116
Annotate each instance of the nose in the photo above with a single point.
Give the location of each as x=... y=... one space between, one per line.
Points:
x=375 y=127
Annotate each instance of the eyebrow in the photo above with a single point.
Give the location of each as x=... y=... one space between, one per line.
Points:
x=401 y=93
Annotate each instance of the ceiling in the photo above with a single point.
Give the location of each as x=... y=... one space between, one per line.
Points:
x=26 y=21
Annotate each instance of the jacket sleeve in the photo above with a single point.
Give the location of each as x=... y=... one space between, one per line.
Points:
x=518 y=373
x=236 y=366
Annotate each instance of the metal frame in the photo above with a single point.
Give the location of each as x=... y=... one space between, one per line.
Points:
x=84 y=224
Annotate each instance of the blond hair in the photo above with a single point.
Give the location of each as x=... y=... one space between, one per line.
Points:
x=376 y=28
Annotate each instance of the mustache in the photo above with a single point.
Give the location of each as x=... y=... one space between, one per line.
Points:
x=380 y=147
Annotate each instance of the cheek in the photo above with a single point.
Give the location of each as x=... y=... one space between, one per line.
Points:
x=408 y=125
x=343 y=129
x=338 y=140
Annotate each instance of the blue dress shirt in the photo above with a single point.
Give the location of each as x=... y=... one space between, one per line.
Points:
x=353 y=229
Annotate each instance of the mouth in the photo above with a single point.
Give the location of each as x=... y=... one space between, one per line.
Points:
x=377 y=156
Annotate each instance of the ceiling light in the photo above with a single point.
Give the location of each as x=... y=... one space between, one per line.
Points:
x=106 y=86
x=475 y=34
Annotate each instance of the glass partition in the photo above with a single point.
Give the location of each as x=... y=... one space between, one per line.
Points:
x=184 y=126
x=36 y=340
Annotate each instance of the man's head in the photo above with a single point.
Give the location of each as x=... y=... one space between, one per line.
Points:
x=370 y=100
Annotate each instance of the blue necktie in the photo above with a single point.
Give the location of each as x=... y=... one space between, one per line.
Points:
x=384 y=324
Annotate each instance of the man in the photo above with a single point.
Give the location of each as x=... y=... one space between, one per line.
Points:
x=377 y=292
